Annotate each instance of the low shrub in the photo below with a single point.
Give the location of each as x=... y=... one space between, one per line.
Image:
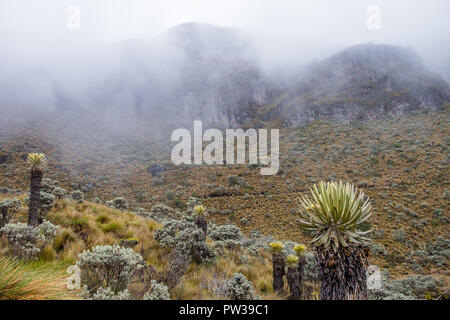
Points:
x=108 y=267
x=107 y=294
x=59 y=192
x=160 y=212
x=22 y=239
x=49 y=231
x=158 y=291
x=237 y=288
x=185 y=237
x=8 y=210
x=118 y=203
x=77 y=195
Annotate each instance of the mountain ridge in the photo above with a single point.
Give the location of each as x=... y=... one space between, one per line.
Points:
x=203 y=72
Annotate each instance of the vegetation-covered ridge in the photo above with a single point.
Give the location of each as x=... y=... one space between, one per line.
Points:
x=401 y=164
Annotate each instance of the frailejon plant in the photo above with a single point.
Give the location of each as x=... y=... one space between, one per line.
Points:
x=200 y=218
x=300 y=252
x=293 y=277
x=278 y=265
x=333 y=216
x=37 y=162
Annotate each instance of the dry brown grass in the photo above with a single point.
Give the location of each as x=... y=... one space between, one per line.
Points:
x=83 y=226
x=21 y=280
x=417 y=142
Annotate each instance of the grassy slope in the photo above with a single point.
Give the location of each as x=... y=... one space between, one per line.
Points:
x=403 y=164
x=87 y=224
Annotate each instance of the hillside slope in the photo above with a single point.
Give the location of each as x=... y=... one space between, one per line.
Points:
x=400 y=163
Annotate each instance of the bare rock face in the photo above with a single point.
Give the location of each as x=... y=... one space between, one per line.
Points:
x=203 y=72
x=219 y=82
x=364 y=83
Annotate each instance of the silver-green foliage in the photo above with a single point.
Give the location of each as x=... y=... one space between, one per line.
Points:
x=22 y=239
x=77 y=195
x=185 y=237
x=48 y=230
x=27 y=241
x=237 y=288
x=107 y=294
x=47 y=201
x=160 y=212
x=8 y=210
x=118 y=203
x=227 y=236
x=109 y=266
x=334 y=213
x=158 y=291
x=59 y=192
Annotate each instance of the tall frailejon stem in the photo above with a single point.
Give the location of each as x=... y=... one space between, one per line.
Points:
x=300 y=251
x=333 y=216
x=37 y=162
x=200 y=213
x=293 y=277
x=343 y=272
x=332 y=273
x=278 y=265
x=357 y=260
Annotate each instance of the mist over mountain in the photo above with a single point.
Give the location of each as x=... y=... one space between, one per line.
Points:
x=219 y=75
x=364 y=82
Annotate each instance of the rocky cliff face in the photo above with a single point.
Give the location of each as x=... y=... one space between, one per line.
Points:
x=364 y=82
x=191 y=72
x=197 y=71
x=215 y=77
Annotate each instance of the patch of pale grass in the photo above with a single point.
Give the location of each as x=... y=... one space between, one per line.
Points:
x=33 y=280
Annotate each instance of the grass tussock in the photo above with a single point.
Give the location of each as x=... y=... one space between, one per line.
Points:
x=35 y=280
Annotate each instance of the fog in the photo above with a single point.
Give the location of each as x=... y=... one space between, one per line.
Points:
x=51 y=59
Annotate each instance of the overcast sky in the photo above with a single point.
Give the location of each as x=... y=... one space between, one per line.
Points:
x=330 y=20
x=33 y=27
